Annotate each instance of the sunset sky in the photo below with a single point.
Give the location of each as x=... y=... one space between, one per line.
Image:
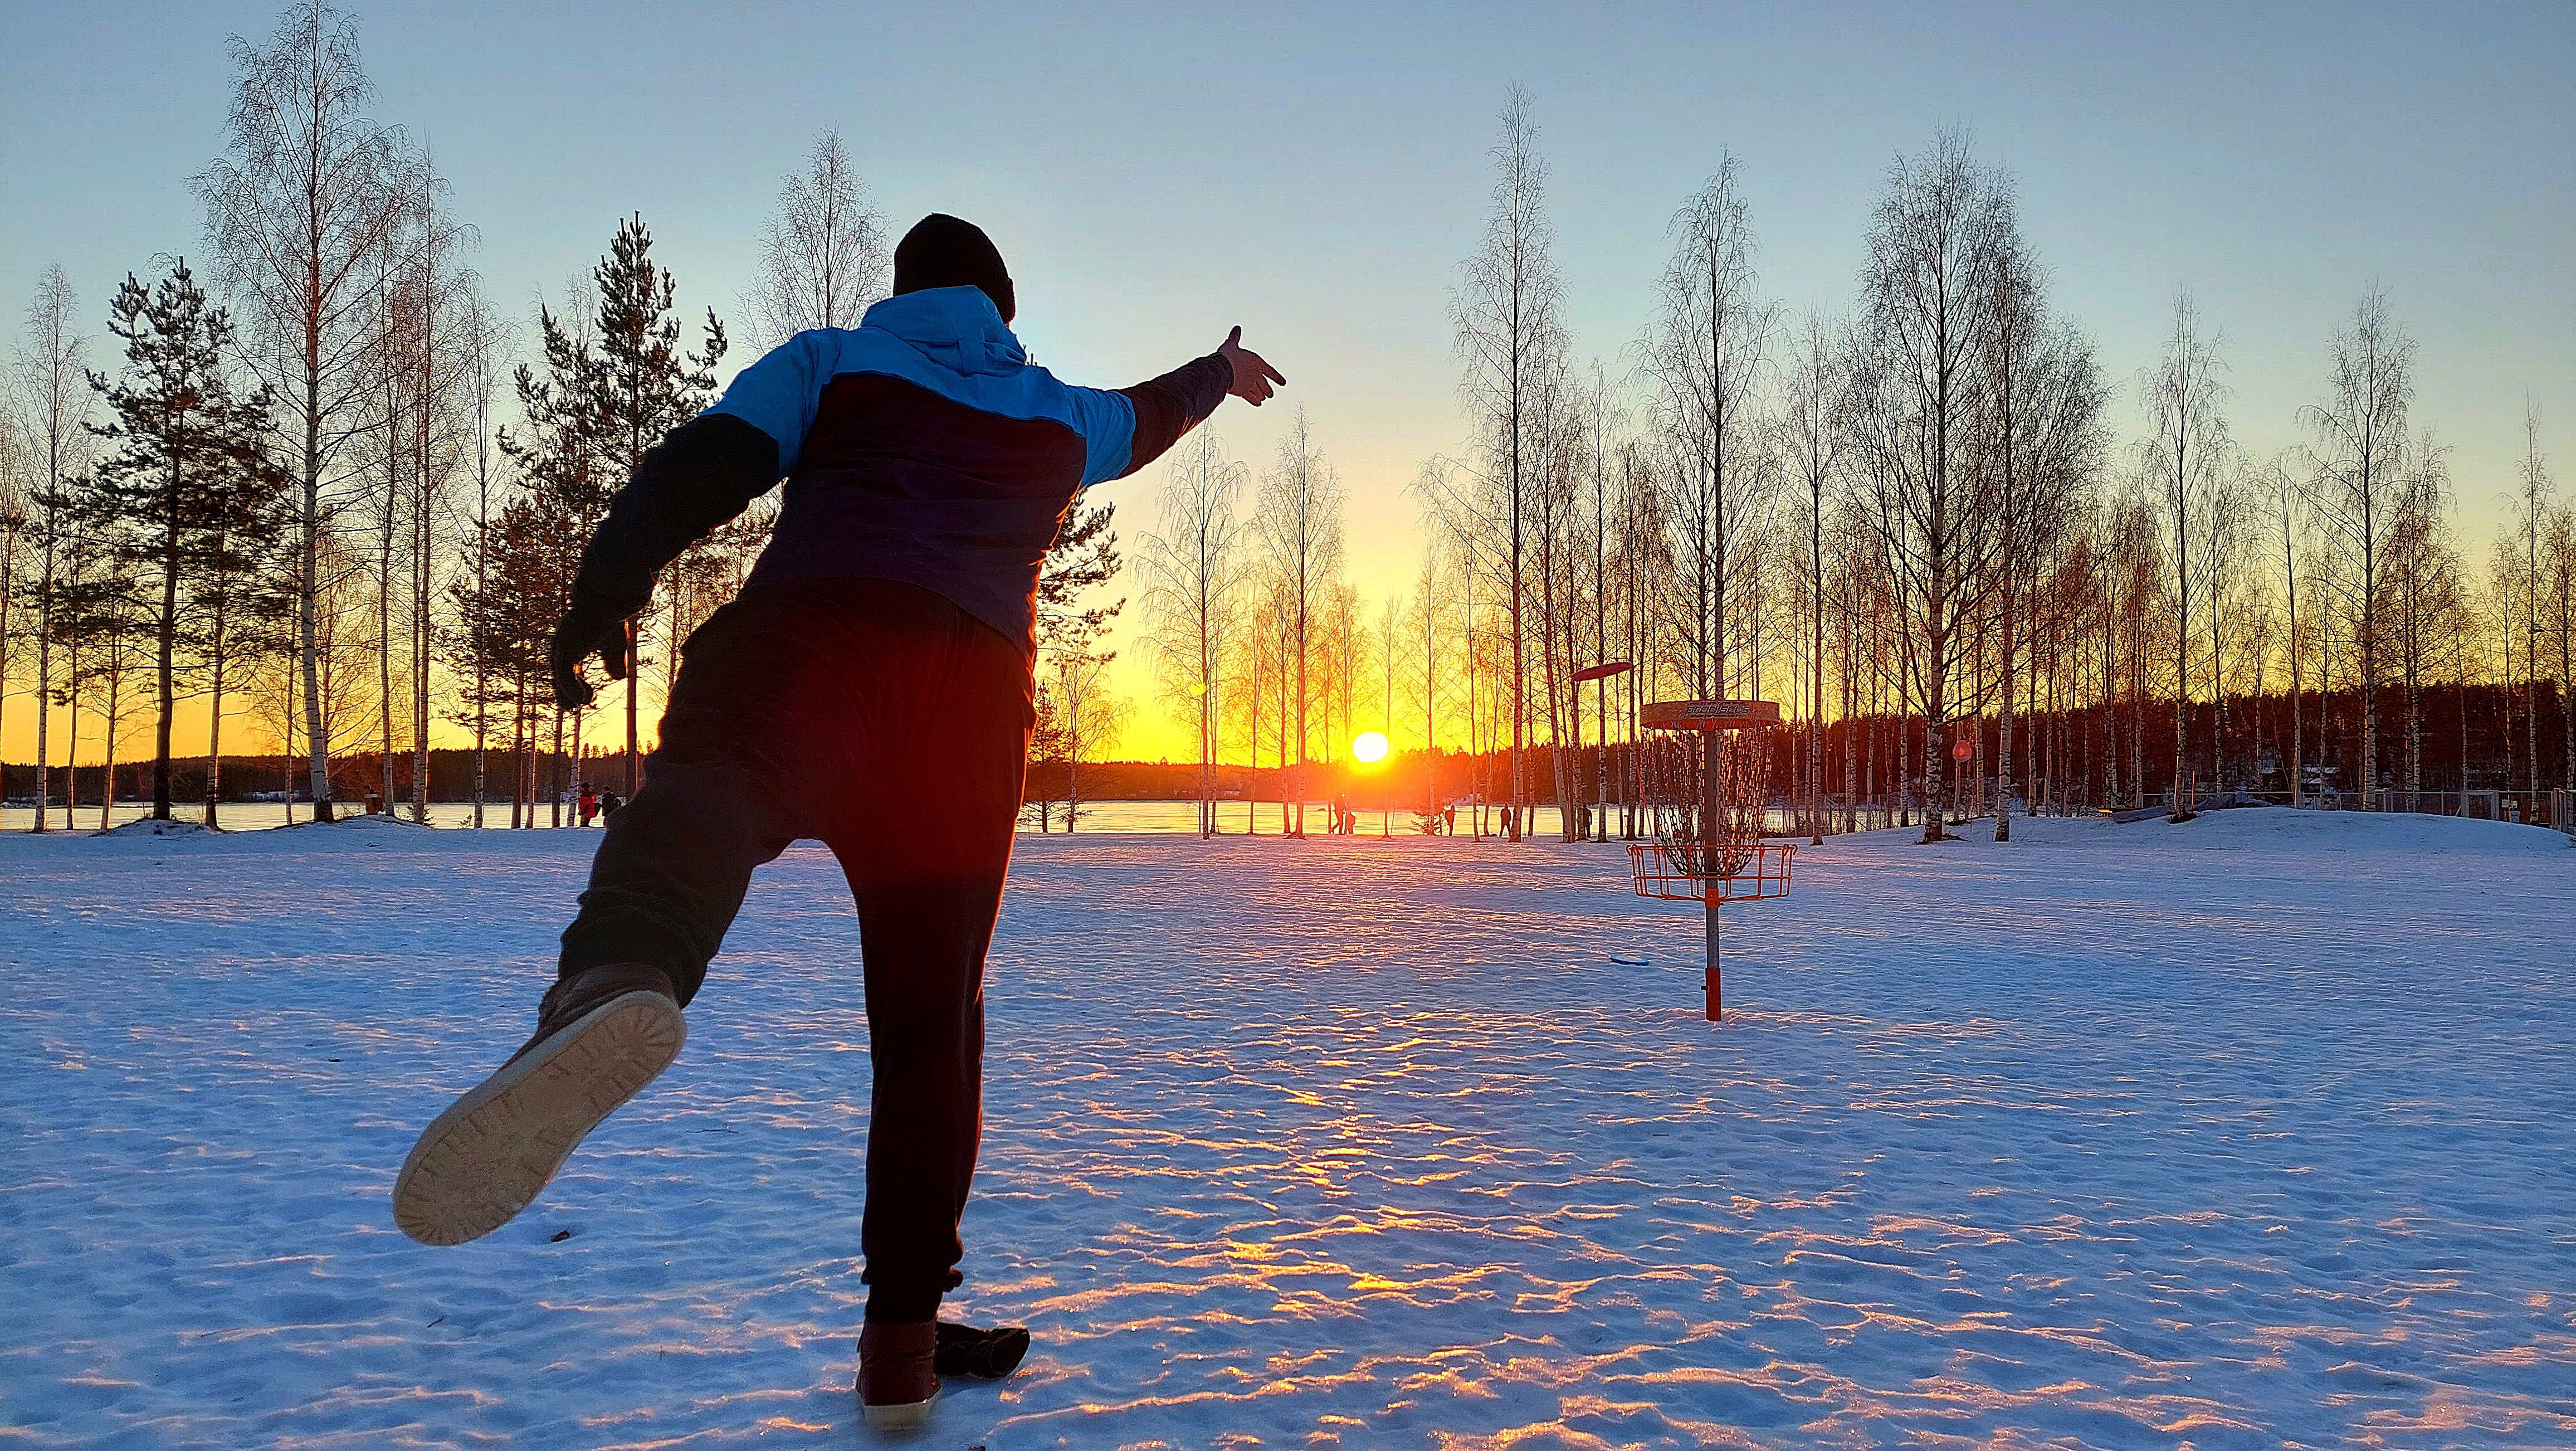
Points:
x=1316 y=173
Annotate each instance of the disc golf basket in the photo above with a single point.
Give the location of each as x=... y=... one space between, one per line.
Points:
x=1707 y=778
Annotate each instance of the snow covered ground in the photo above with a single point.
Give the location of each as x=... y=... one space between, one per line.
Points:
x=2246 y=1133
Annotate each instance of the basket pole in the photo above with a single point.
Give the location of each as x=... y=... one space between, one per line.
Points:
x=1709 y=817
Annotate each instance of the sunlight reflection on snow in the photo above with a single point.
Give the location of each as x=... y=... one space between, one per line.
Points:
x=2107 y=1139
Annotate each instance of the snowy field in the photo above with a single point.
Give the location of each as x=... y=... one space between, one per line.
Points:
x=2252 y=1132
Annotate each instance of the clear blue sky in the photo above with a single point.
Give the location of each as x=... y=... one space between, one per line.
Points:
x=1315 y=172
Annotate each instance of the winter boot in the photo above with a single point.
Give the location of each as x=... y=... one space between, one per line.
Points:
x=897 y=1378
x=982 y=1354
x=602 y=1034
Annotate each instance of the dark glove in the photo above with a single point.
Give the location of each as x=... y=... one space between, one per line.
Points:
x=578 y=635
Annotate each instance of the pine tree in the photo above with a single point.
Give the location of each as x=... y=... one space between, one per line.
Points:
x=641 y=387
x=1050 y=748
x=565 y=480
x=505 y=619
x=1084 y=554
x=186 y=475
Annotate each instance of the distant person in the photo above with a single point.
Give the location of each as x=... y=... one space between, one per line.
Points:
x=589 y=803
x=609 y=801
x=875 y=668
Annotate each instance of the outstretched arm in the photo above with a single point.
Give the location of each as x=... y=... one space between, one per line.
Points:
x=1173 y=404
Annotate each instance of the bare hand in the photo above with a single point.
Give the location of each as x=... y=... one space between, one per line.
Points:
x=1252 y=376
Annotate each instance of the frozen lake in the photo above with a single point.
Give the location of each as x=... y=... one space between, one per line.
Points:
x=1178 y=818
x=2252 y=1132
x=1161 y=818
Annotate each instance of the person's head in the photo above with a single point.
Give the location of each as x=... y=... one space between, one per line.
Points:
x=943 y=251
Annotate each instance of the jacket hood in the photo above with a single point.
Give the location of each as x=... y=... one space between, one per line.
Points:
x=956 y=327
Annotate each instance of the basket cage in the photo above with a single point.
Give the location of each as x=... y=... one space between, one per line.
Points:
x=1694 y=849
x=1655 y=871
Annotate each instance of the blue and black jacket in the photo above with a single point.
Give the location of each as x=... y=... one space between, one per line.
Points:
x=921 y=446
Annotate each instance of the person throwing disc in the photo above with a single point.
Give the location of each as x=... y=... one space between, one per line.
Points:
x=870 y=687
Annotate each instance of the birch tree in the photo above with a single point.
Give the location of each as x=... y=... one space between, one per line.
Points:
x=2423 y=596
x=2010 y=346
x=1194 y=570
x=1641 y=560
x=2560 y=609
x=443 y=330
x=1297 y=520
x=1346 y=636
x=422 y=314
x=1929 y=288
x=2287 y=505
x=1249 y=668
x=1705 y=354
x=1389 y=656
x=54 y=400
x=1603 y=421
x=309 y=189
x=1557 y=551
x=2045 y=400
x=1430 y=671
x=1811 y=439
x=1509 y=338
x=2362 y=484
x=15 y=516
x=2526 y=544
x=481 y=338
x=824 y=252
x=2189 y=464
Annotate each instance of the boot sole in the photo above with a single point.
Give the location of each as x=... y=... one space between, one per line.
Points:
x=491 y=1154
x=902 y=1416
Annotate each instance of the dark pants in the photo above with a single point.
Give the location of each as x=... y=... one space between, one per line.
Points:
x=883 y=720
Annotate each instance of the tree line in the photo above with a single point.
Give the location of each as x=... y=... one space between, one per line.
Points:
x=291 y=491
x=322 y=487
x=298 y=491
x=1911 y=524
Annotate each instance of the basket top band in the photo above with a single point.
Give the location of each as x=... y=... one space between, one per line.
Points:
x=1709 y=715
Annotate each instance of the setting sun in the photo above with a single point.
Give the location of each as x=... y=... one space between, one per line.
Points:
x=1370 y=748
